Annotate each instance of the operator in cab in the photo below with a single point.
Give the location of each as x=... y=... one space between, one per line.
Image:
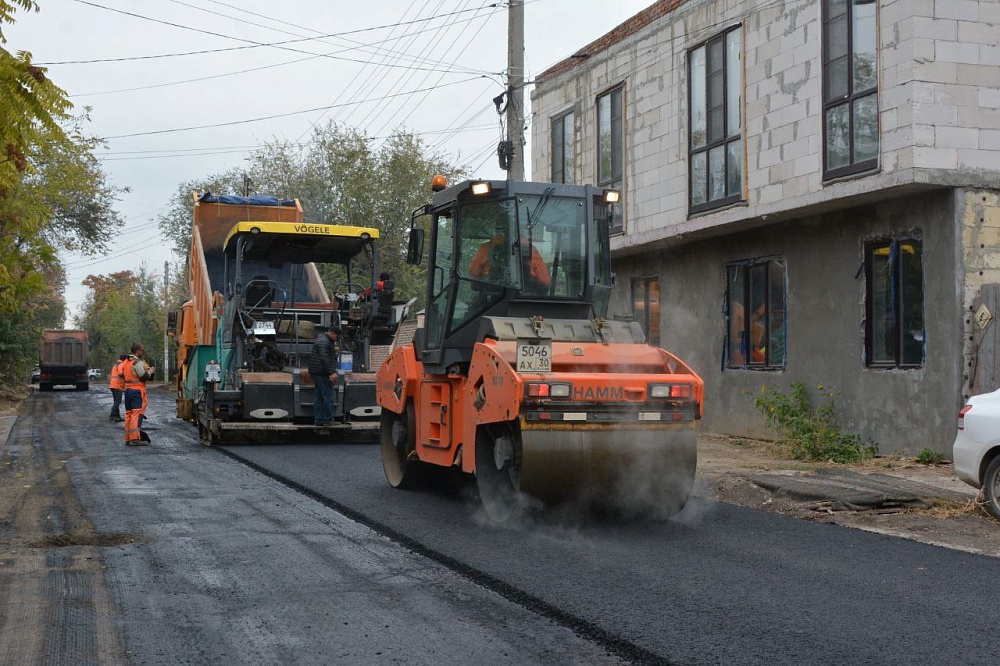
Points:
x=536 y=271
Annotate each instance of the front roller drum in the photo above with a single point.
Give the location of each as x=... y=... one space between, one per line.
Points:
x=398 y=433
x=645 y=474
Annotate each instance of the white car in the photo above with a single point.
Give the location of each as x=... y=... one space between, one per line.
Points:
x=95 y=373
x=977 y=447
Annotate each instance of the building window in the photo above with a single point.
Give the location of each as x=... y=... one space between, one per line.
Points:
x=715 y=73
x=611 y=148
x=646 y=307
x=563 y=149
x=850 y=87
x=894 y=304
x=756 y=296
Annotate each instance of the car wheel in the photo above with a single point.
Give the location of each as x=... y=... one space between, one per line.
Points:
x=991 y=487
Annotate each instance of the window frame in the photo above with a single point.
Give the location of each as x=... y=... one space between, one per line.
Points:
x=558 y=129
x=730 y=136
x=616 y=179
x=897 y=297
x=763 y=264
x=853 y=97
x=616 y=171
x=649 y=316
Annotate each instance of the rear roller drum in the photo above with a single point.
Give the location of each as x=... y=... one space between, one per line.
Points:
x=498 y=462
x=398 y=434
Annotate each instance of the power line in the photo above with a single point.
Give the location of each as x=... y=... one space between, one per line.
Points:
x=402 y=79
x=458 y=56
x=358 y=83
x=276 y=115
x=403 y=76
x=251 y=44
x=121 y=156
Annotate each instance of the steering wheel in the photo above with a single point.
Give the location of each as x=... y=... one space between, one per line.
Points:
x=352 y=292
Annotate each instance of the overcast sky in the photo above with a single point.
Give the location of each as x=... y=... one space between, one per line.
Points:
x=185 y=88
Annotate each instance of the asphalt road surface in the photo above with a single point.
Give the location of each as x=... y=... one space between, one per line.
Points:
x=304 y=554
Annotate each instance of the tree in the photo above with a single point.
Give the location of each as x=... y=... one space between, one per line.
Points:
x=53 y=195
x=31 y=108
x=120 y=309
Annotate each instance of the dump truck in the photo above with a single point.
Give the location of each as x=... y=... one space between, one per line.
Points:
x=517 y=375
x=63 y=359
x=258 y=302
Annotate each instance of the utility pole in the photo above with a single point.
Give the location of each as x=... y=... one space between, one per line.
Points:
x=166 y=321
x=515 y=87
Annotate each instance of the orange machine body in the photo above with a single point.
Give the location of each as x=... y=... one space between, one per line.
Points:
x=608 y=390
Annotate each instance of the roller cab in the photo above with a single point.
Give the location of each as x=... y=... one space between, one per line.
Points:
x=517 y=376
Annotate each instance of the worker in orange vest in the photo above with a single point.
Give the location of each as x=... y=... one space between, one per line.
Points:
x=136 y=373
x=117 y=384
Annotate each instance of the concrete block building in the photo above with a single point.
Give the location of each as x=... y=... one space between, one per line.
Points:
x=811 y=193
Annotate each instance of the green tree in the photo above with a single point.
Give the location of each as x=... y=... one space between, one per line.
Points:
x=53 y=195
x=122 y=308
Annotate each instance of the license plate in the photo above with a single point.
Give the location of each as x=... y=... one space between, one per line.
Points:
x=534 y=356
x=263 y=328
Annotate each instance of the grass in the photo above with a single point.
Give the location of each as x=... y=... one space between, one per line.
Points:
x=812 y=433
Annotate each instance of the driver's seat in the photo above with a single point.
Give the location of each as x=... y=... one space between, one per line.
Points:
x=259 y=292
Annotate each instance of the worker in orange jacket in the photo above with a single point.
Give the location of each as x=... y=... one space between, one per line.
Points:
x=136 y=373
x=117 y=384
x=536 y=270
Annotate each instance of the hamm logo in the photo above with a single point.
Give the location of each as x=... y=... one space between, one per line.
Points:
x=598 y=393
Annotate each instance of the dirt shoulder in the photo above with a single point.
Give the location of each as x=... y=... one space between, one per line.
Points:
x=944 y=510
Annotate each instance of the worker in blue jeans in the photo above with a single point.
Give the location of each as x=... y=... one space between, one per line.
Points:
x=323 y=368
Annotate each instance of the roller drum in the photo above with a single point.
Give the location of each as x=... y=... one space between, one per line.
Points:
x=647 y=473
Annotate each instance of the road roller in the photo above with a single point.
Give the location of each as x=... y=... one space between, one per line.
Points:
x=517 y=376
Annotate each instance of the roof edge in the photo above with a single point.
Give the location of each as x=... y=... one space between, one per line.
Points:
x=629 y=27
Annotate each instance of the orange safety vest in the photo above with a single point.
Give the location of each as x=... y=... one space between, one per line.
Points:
x=117 y=378
x=132 y=380
x=132 y=416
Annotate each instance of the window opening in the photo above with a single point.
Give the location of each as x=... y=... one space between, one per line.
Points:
x=646 y=307
x=894 y=303
x=715 y=73
x=850 y=87
x=756 y=299
x=611 y=149
x=563 y=149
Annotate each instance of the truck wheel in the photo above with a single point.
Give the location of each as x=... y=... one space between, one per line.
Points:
x=83 y=386
x=398 y=441
x=44 y=386
x=498 y=473
x=991 y=487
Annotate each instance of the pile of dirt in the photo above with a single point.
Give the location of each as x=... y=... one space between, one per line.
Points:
x=11 y=395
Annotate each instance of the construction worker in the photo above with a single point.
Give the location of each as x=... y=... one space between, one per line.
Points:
x=117 y=384
x=136 y=373
x=536 y=271
x=324 y=368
